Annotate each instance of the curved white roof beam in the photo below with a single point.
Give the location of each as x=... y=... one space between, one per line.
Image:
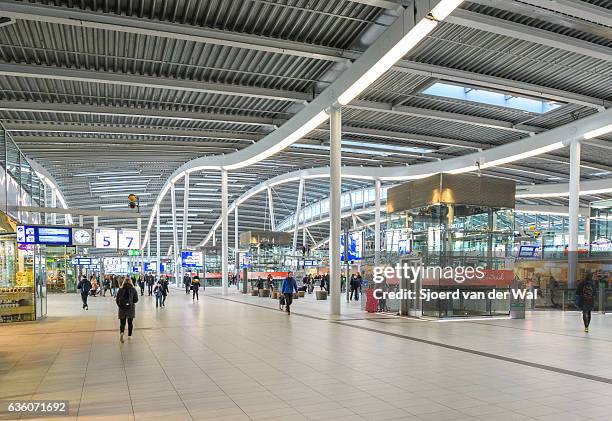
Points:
x=411 y=26
x=542 y=190
x=541 y=143
x=48 y=179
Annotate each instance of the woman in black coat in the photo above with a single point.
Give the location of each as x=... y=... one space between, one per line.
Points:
x=126 y=300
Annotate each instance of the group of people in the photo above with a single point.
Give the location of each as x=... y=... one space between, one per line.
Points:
x=192 y=284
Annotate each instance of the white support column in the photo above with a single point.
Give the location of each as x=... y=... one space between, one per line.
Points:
x=175 y=244
x=574 y=209
x=335 y=191
x=158 y=243
x=271 y=209
x=53 y=205
x=224 y=223
x=185 y=212
x=298 y=209
x=377 y=223
x=80 y=220
x=141 y=249
x=236 y=239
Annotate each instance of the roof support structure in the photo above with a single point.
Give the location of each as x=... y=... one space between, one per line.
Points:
x=89 y=76
x=580 y=9
x=527 y=33
x=133 y=25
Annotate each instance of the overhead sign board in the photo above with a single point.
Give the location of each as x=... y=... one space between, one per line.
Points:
x=33 y=234
x=191 y=259
x=106 y=238
x=129 y=239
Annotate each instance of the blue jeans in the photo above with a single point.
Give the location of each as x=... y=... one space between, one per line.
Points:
x=159 y=300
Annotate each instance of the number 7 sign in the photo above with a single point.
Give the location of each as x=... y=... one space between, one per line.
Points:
x=129 y=239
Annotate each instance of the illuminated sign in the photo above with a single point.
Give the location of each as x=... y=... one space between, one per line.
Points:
x=32 y=234
x=355 y=246
x=191 y=259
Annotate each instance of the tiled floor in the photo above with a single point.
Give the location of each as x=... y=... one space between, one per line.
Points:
x=225 y=360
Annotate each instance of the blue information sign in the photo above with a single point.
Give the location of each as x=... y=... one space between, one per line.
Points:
x=33 y=234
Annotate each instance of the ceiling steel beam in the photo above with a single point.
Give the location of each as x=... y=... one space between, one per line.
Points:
x=528 y=33
x=75 y=212
x=110 y=78
x=98 y=110
x=444 y=116
x=134 y=25
x=383 y=4
x=498 y=83
x=128 y=130
x=580 y=9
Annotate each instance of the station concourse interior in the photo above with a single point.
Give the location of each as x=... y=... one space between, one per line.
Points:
x=329 y=210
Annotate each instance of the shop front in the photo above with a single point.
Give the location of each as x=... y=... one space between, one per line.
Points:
x=446 y=226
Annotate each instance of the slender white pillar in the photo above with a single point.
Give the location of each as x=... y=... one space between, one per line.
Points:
x=377 y=223
x=80 y=220
x=224 y=229
x=175 y=247
x=236 y=239
x=335 y=191
x=158 y=243
x=298 y=209
x=54 y=205
x=141 y=249
x=271 y=209
x=185 y=212
x=574 y=209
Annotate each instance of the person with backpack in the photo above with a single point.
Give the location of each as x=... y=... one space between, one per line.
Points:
x=126 y=300
x=158 y=292
x=84 y=286
x=195 y=287
x=585 y=299
x=289 y=286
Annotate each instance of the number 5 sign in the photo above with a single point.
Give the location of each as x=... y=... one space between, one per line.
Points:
x=106 y=238
x=129 y=239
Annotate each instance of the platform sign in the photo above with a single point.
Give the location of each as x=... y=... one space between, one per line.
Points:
x=33 y=234
x=129 y=239
x=106 y=238
x=82 y=261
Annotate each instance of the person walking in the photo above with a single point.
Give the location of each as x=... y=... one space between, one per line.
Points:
x=126 y=300
x=158 y=292
x=585 y=293
x=187 y=283
x=289 y=287
x=106 y=284
x=84 y=286
x=150 y=282
x=165 y=290
x=114 y=285
x=141 y=284
x=195 y=287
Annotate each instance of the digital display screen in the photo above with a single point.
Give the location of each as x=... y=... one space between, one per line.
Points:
x=355 y=246
x=82 y=261
x=403 y=246
x=192 y=259
x=527 y=251
x=27 y=234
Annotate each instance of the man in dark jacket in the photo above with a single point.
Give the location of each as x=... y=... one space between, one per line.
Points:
x=84 y=286
x=187 y=283
x=586 y=292
x=150 y=282
x=126 y=300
